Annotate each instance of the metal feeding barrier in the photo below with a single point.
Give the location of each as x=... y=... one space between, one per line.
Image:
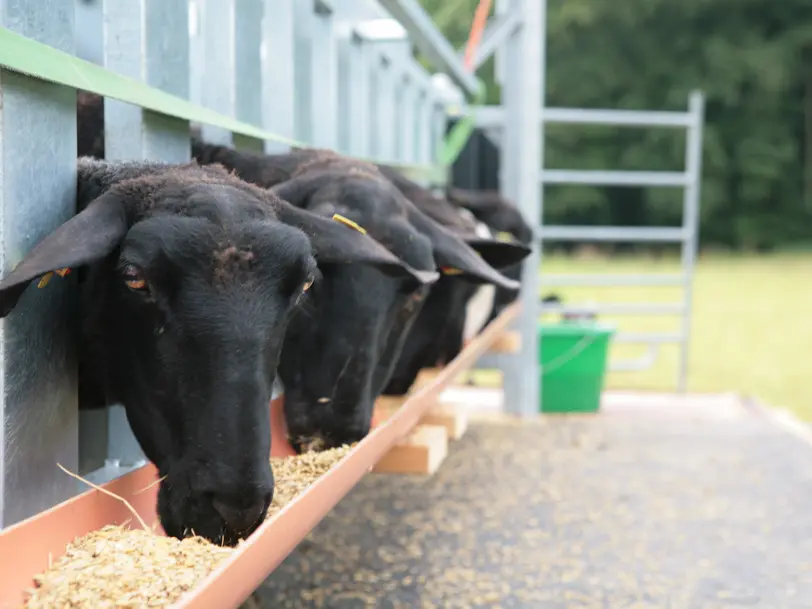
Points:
x=262 y=75
x=519 y=45
x=685 y=235
x=258 y=74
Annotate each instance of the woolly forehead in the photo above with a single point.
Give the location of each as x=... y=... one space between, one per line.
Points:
x=166 y=246
x=382 y=211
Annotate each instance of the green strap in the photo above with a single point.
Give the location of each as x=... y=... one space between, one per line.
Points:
x=38 y=60
x=460 y=134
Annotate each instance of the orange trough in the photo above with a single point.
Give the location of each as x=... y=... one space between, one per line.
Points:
x=27 y=547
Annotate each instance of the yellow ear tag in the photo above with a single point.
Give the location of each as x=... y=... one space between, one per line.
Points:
x=449 y=270
x=47 y=276
x=504 y=236
x=350 y=223
x=45 y=279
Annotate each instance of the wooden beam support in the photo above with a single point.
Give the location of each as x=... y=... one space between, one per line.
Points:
x=509 y=341
x=451 y=416
x=421 y=452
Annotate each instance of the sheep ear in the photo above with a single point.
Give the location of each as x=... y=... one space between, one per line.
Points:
x=88 y=236
x=498 y=253
x=456 y=257
x=298 y=190
x=342 y=241
x=471 y=199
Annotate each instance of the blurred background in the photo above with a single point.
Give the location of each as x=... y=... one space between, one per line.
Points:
x=752 y=300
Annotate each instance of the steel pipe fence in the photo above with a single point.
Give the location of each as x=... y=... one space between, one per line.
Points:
x=256 y=74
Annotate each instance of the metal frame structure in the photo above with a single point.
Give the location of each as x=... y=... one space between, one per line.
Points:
x=258 y=74
x=517 y=35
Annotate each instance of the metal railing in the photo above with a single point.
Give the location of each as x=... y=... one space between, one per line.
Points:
x=258 y=74
x=685 y=235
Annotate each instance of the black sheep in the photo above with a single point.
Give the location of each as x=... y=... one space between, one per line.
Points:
x=188 y=278
x=338 y=360
x=439 y=332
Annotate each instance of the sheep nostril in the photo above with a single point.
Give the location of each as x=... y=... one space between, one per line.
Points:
x=241 y=517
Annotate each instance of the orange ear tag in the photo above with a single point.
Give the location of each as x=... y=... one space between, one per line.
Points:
x=47 y=276
x=449 y=270
x=350 y=223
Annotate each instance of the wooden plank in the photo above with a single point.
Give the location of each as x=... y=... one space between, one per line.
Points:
x=424 y=377
x=421 y=452
x=451 y=416
x=508 y=342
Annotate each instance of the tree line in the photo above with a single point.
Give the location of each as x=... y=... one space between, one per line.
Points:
x=753 y=61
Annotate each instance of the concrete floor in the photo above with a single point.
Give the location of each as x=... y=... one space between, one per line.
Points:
x=655 y=502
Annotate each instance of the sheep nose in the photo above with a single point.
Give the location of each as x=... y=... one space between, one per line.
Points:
x=239 y=515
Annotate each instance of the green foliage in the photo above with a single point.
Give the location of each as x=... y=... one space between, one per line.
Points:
x=753 y=60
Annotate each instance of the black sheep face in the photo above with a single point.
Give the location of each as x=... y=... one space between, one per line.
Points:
x=436 y=335
x=498 y=213
x=342 y=345
x=339 y=351
x=190 y=331
x=191 y=277
x=363 y=331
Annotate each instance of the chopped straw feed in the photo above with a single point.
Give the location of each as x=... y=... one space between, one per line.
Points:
x=133 y=568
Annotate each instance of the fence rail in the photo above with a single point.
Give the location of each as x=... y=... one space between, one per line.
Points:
x=258 y=74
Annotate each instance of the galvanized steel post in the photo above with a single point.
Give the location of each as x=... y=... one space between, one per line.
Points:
x=38 y=360
x=407 y=119
x=248 y=69
x=425 y=130
x=323 y=71
x=525 y=80
x=690 y=223
x=277 y=77
x=141 y=41
x=216 y=29
x=354 y=95
x=386 y=116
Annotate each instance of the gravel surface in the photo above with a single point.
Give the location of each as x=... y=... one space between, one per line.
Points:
x=589 y=512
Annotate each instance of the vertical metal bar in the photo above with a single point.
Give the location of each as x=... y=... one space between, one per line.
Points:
x=302 y=51
x=500 y=8
x=373 y=68
x=355 y=109
x=527 y=60
x=407 y=121
x=195 y=52
x=344 y=58
x=166 y=64
x=38 y=363
x=144 y=41
x=397 y=126
x=417 y=122
x=690 y=223
x=88 y=25
x=122 y=40
x=248 y=69
x=278 y=109
x=93 y=423
x=426 y=125
x=216 y=23
x=123 y=132
x=386 y=109
x=439 y=121
x=323 y=78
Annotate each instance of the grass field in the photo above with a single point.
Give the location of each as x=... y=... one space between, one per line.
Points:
x=752 y=324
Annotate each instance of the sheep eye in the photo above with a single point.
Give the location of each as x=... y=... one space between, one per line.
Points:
x=133 y=278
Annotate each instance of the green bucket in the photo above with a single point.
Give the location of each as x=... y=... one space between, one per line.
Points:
x=572 y=357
